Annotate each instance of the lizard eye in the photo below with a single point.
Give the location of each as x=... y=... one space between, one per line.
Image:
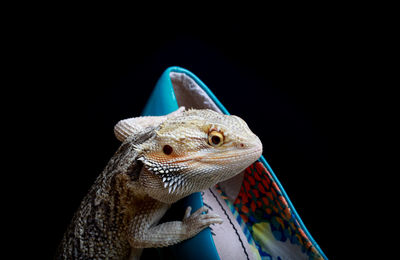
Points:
x=167 y=149
x=215 y=138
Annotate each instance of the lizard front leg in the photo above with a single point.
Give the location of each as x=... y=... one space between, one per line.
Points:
x=144 y=234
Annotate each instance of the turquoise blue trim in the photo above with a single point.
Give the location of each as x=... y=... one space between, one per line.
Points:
x=163 y=101
x=202 y=85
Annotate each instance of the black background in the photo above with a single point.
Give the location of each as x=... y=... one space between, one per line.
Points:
x=301 y=82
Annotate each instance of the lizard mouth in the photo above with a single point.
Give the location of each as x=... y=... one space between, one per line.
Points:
x=253 y=153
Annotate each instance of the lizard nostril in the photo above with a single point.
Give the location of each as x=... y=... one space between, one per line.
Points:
x=167 y=149
x=242 y=145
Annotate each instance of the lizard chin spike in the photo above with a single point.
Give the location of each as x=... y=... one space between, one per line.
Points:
x=174 y=187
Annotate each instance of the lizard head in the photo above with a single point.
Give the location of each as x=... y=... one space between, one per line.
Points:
x=193 y=151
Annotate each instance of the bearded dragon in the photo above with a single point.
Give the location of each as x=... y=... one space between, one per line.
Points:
x=161 y=160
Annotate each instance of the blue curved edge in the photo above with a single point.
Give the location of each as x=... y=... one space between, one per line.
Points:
x=163 y=101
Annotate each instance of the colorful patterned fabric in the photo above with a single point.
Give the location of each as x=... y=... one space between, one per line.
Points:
x=267 y=220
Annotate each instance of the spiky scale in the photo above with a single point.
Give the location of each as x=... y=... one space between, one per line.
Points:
x=175 y=185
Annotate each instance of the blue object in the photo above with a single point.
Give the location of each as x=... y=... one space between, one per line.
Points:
x=163 y=101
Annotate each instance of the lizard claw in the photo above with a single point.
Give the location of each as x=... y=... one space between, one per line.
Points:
x=187 y=212
x=198 y=221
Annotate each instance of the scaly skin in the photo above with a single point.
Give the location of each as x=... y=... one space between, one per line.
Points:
x=161 y=160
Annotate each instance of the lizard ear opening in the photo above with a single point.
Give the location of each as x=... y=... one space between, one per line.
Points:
x=136 y=125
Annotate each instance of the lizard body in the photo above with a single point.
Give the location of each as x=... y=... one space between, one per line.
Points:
x=161 y=160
